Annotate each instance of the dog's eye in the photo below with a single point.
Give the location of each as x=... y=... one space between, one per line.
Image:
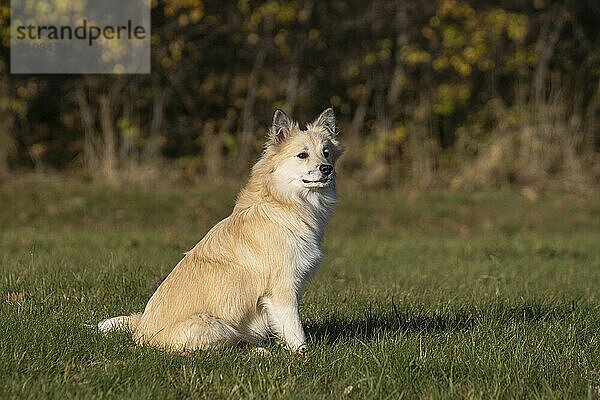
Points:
x=303 y=155
x=326 y=153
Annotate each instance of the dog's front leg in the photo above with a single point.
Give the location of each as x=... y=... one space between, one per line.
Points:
x=284 y=321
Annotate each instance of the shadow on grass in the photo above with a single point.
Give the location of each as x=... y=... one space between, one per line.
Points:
x=336 y=328
x=392 y=322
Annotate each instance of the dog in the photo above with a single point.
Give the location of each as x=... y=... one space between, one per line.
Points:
x=243 y=281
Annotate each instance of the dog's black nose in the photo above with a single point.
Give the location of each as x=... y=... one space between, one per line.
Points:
x=326 y=169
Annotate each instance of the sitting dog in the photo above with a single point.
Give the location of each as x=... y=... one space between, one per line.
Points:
x=243 y=281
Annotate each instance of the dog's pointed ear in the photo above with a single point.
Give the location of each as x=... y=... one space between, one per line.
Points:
x=327 y=121
x=282 y=126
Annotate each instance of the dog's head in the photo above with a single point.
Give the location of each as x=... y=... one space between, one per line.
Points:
x=303 y=160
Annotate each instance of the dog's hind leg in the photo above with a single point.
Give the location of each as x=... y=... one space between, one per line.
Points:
x=124 y=322
x=202 y=331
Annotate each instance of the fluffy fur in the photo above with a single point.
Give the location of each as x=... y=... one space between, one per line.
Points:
x=243 y=281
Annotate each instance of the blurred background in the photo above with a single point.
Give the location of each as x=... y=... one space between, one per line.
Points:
x=451 y=93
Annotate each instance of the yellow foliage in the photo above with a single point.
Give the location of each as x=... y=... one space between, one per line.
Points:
x=412 y=55
x=461 y=39
x=384 y=54
x=517 y=27
x=440 y=63
x=463 y=93
x=447 y=97
x=469 y=54
x=176 y=50
x=280 y=40
x=183 y=20
x=127 y=129
x=446 y=7
x=429 y=33
x=244 y=6
x=335 y=100
x=195 y=7
x=253 y=38
x=352 y=71
x=370 y=58
x=286 y=13
x=377 y=147
x=453 y=37
x=303 y=15
x=399 y=134
x=460 y=65
x=280 y=12
x=22 y=91
x=166 y=62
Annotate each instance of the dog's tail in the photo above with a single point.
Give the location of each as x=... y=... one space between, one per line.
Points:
x=124 y=322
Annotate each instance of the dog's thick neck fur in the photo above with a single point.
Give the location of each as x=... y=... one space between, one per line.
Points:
x=261 y=193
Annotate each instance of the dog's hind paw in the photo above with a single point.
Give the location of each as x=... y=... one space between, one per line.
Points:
x=261 y=352
x=113 y=324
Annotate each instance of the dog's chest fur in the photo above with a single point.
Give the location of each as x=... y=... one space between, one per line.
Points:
x=305 y=255
x=305 y=238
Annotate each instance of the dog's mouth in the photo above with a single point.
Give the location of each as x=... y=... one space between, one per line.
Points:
x=317 y=183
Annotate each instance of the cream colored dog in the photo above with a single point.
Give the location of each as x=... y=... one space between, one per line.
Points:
x=244 y=279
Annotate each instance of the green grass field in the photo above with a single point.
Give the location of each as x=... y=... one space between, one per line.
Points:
x=421 y=295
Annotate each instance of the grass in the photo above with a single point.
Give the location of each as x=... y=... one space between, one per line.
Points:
x=429 y=295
